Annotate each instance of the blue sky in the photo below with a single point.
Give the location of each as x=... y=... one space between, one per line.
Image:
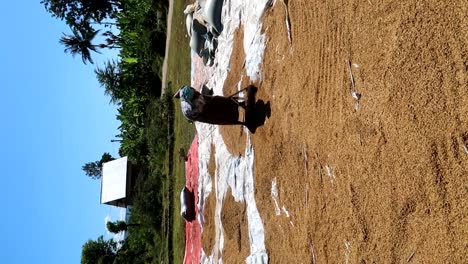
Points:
x=55 y=119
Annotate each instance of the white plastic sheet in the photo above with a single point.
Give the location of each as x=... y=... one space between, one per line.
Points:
x=232 y=171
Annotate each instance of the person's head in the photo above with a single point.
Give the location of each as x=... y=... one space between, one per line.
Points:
x=185 y=93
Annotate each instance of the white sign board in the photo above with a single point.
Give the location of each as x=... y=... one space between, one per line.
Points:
x=114 y=180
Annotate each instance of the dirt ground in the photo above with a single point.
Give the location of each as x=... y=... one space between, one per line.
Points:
x=378 y=177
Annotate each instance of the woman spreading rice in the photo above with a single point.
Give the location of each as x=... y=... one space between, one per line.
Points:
x=218 y=110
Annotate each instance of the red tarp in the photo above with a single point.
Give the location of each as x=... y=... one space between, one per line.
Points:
x=200 y=76
x=192 y=229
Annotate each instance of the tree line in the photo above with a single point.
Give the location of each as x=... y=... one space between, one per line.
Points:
x=137 y=30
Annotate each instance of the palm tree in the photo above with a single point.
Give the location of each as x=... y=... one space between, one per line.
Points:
x=80 y=43
x=109 y=78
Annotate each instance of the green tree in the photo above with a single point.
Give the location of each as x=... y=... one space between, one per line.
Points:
x=80 y=43
x=133 y=251
x=118 y=226
x=109 y=78
x=82 y=13
x=100 y=251
x=94 y=169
